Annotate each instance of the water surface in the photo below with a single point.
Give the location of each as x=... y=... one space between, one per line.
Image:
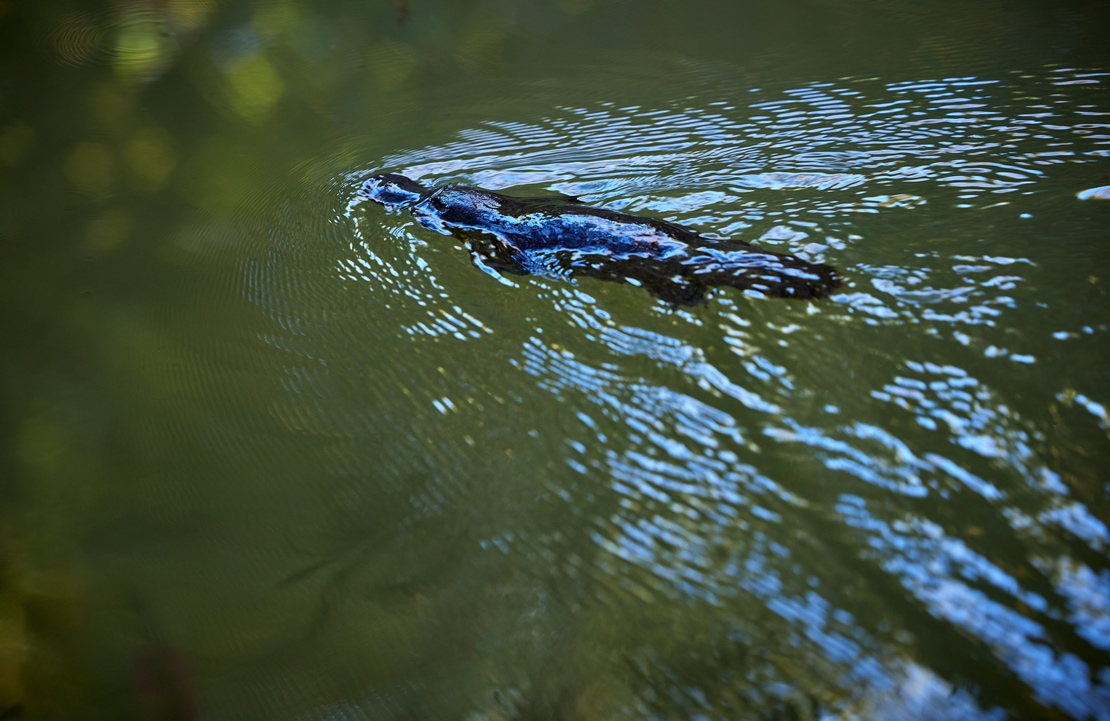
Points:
x=271 y=452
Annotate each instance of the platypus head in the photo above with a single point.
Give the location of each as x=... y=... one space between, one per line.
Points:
x=394 y=191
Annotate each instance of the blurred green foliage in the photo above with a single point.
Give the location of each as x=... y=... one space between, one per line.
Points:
x=138 y=139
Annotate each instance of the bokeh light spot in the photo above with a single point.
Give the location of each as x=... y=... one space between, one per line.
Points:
x=254 y=87
x=140 y=48
x=150 y=156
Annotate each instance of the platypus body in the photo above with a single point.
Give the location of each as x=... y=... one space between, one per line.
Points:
x=560 y=236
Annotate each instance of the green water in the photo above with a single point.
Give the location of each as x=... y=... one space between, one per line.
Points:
x=269 y=452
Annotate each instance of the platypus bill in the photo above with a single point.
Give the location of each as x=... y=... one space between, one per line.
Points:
x=562 y=237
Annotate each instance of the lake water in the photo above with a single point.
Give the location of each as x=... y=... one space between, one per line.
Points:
x=270 y=452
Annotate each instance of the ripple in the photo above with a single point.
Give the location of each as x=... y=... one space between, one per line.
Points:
x=810 y=147
x=824 y=137
x=136 y=38
x=80 y=38
x=1059 y=679
x=850 y=475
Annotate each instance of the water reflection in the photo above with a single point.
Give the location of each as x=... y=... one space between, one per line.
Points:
x=967 y=135
x=729 y=466
x=352 y=477
x=138 y=38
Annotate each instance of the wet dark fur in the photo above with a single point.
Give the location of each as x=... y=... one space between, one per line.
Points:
x=559 y=236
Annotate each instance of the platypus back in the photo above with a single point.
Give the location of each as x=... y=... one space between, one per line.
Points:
x=562 y=237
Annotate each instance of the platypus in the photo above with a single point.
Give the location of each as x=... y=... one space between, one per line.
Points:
x=561 y=236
